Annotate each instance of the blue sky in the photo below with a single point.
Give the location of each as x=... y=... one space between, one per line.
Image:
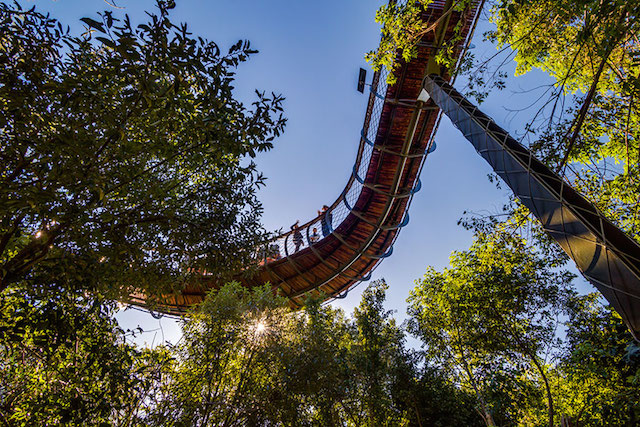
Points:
x=310 y=52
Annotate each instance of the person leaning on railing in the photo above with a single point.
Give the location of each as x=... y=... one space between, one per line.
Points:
x=314 y=237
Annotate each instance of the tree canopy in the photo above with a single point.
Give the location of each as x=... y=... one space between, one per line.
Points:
x=492 y=322
x=124 y=156
x=125 y=166
x=587 y=124
x=587 y=121
x=245 y=359
x=403 y=26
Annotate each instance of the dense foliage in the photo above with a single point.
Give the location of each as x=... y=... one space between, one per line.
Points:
x=405 y=23
x=64 y=361
x=498 y=302
x=123 y=153
x=490 y=356
x=586 y=123
x=599 y=367
x=245 y=359
x=505 y=322
x=122 y=168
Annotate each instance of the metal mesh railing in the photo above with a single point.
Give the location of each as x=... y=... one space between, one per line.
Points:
x=393 y=203
x=313 y=231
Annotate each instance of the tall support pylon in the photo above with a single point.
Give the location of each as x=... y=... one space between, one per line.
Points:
x=603 y=253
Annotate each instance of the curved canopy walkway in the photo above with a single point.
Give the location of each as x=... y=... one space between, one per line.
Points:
x=341 y=247
x=358 y=230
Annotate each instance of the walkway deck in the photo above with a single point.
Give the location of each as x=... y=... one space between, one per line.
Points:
x=367 y=216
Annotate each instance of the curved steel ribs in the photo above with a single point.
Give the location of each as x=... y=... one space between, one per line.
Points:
x=368 y=214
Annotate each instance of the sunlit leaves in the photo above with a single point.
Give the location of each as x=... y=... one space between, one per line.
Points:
x=65 y=362
x=404 y=24
x=590 y=50
x=489 y=318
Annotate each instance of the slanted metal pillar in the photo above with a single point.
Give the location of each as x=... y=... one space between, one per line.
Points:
x=605 y=255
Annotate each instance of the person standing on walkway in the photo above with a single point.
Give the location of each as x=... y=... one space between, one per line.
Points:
x=314 y=237
x=326 y=220
x=297 y=235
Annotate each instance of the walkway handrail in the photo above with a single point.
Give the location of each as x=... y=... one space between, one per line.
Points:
x=378 y=89
x=359 y=228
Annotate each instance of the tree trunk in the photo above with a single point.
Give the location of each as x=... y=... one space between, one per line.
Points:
x=534 y=359
x=486 y=414
x=592 y=90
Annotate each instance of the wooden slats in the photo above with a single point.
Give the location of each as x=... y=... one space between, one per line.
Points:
x=337 y=262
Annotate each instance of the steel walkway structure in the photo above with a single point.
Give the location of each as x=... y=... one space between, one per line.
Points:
x=603 y=253
x=363 y=223
x=360 y=227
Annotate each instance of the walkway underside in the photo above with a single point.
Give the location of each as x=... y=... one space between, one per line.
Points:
x=397 y=136
x=605 y=255
x=368 y=215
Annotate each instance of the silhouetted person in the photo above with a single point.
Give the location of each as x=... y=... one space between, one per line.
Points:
x=275 y=253
x=326 y=220
x=297 y=236
x=314 y=237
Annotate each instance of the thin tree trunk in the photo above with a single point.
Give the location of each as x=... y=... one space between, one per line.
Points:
x=583 y=112
x=417 y=414
x=587 y=102
x=488 y=418
x=534 y=359
x=486 y=414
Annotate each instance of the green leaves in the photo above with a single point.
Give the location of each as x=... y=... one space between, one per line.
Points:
x=490 y=316
x=107 y=42
x=247 y=358
x=244 y=357
x=132 y=142
x=491 y=319
x=64 y=361
x=588 y=49
x=403 y=26
x=92 y=23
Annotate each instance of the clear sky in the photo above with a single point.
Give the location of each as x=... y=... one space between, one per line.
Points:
x=311 y=52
